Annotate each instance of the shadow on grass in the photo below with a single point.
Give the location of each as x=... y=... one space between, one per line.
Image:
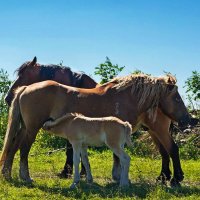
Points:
x=110 y=190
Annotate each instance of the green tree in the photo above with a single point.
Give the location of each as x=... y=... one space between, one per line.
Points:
x=193 y=85
x=137 y=71
x=4 y=86
x=107 y=70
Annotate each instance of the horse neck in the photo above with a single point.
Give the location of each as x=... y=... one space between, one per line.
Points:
x=64 y=119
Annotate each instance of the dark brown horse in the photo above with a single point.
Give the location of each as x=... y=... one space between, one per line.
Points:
x=32 y=72
x=153 y=102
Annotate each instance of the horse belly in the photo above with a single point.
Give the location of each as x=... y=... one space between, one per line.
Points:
x=94 y=139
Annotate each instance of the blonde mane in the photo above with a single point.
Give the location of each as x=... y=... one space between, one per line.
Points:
x=145 y=88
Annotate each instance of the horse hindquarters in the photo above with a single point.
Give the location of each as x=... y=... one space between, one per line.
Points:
x=13 y=137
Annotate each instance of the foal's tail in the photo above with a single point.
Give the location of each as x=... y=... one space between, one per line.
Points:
x=128 y=131
x=13 y=126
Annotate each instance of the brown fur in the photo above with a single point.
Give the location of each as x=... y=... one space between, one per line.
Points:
x=157 y=122
x=49 y=99
x=13 y=124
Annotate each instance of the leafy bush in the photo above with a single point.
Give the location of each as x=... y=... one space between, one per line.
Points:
x=193 y=90
x=47 y=140
x=107 y=70
x=4 y=86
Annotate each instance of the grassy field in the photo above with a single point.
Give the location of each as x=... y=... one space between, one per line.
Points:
x=143 y=172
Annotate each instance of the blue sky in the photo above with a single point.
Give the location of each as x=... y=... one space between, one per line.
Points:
x=152 y=36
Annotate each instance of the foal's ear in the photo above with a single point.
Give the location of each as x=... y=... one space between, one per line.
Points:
x=33 y=62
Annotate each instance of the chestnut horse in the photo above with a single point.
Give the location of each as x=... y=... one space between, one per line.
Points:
x=138 y=99
x=32 y=72
x=82 y=131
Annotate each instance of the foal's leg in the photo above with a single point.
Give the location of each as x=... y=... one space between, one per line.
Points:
x=125 y=164
x=24 y=151
x=85 y=160
x=68 y=167
x=7 y=165
x=116 y=170
x=76 y=160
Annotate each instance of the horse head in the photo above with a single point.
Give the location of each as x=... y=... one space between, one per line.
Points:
x=26 y=75
x=173 y=106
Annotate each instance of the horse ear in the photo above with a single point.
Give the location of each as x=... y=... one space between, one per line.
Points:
x=171 y=87
x=33 y=62
x=171 y=80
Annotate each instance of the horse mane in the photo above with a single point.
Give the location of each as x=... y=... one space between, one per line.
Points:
x=145 y=88
x=21 y=68
x=49 y=66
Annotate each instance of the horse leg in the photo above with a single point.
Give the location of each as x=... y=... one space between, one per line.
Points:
x=68 y=167
x=85 y=161
x=172 y=149
x=24 y=151
x=76 y=161
x=7 y=165
x=165 y=174
x=116 y=170
x=124 y=163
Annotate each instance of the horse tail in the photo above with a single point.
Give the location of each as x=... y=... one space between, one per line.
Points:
x=128 y=132
x=13 y=126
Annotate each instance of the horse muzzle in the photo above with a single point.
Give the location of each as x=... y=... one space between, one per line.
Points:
x=184 y=123
x=188 y=122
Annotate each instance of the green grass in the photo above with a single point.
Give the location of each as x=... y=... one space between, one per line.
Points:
x=143 y=172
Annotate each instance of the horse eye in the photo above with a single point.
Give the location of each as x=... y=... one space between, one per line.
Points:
x=178 y=99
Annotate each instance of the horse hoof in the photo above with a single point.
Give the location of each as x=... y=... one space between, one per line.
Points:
x=175 y=183
x=73 y=186
x=6 y=174
x=163 y=177
x=27 y=180
x=116 y=179
x=161 y=180
x=30 y=180
x=7 y=178
x=82 y=174
x=89 y=181
x=124 y=185
x=64 y=175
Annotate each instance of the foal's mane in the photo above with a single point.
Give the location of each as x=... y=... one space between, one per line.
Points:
x=145 y=88
x=49 y=66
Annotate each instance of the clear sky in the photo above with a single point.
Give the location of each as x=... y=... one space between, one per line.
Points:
x=150 y=35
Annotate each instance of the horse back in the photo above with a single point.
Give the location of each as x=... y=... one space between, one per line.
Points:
x=42 y=100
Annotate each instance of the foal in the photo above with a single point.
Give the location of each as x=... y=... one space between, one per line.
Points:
x=82 y=131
